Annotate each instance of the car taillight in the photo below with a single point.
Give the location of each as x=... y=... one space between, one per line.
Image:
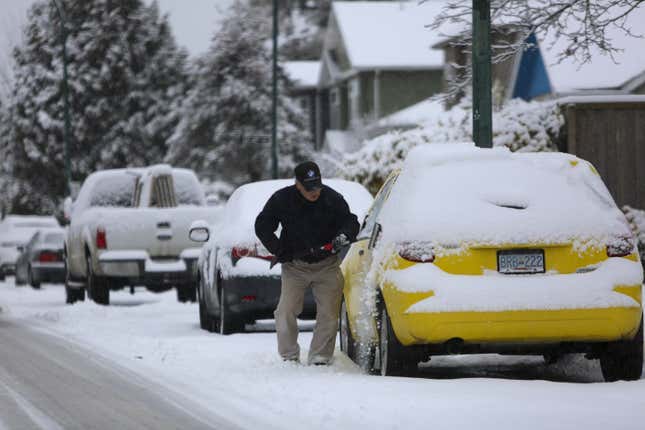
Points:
x=48 y=257
x=241 y=252
x=417 y=252
x=101 y=239
x=620 y=247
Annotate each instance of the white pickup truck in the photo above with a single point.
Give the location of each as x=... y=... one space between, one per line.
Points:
x=129 y=227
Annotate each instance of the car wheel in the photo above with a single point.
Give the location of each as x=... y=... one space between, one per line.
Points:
x=347 y=343
x=186 y=293
x=623 y=360
x=206 y=320
x=391 y=358
x=2 y=277
x=97 y=288
x=228 y=323
x=32 y=280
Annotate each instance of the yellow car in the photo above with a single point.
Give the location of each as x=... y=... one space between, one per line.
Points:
x=471 y=250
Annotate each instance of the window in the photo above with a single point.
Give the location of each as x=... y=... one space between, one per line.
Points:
x=372 y=215
x=114 y=191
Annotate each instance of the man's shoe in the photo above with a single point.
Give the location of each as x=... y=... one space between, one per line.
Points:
x=291 y=359
x=319 y=360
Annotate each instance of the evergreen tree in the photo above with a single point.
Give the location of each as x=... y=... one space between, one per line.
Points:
x=126 y=76
x=226 y=120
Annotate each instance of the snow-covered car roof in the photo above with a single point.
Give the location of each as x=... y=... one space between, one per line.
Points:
x=237 y=224
x=29 y=221
x=455 y=193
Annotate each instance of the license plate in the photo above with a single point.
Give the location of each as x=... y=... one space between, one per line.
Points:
x=520 y=261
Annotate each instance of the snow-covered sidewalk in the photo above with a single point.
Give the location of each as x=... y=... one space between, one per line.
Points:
x=241 y=378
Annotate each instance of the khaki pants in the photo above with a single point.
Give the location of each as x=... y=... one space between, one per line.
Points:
x=326 y=281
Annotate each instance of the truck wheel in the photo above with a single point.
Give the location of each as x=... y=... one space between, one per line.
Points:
x=393 y=359
x=186 y=293
x=347 y=342
x=623 y=360
x=97 y=287
x=229 y=323
x=31 y=280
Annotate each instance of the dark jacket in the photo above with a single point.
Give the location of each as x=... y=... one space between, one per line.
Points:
x=306 y=225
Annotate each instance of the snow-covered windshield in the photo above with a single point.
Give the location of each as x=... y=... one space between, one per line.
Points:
x=188 y=190
x=454 y=193
x=114 y=191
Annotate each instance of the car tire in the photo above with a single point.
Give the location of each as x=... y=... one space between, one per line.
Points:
x=347 y=342
x=32 y=280
x=391 y=358
x=186 y=293
x=19 y=281
x=206 y=321
x=623 y=360
x=228 y=323
x=97 y=287
x=2 y=277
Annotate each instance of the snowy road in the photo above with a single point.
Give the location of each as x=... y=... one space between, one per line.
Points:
x=48 y=384
x=241 y=381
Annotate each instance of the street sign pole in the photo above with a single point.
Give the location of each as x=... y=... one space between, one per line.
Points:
x=66 y=113
x=274 y=113
x=481 y=62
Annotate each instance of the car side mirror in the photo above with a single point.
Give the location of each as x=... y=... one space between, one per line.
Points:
x=199 y=231
x=21 y=248
x=376 y=234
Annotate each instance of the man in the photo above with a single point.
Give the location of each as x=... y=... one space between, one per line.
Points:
x=316 y=224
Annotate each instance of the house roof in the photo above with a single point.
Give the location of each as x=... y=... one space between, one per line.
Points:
x=304 y=74
x=603 y=71
x=390 y=34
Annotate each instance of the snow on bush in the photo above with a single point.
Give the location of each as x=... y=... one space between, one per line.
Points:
x=636 y=218
x=520 y=126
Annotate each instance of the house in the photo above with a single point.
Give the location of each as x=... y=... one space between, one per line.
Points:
x=305 y=76
x=377 y=59
x=541 y=72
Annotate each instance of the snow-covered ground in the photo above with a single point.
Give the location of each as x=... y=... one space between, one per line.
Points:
x=242 y=379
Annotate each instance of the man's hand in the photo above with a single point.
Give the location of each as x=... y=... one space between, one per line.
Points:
x=339 y=243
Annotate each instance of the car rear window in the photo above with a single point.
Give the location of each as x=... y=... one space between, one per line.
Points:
x=54 y=238
x=114 y=191
x=187 y=189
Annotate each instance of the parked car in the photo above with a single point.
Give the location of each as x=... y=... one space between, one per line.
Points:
x=41 y=259
x=129 y=227
x=15 y=231
x=236 y=284
x=471 y=250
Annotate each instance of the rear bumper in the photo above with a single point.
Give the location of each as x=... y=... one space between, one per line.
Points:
x=49 y=272
x=137 y=268
x=521 y=327
x=256 y=297
x=8 y=269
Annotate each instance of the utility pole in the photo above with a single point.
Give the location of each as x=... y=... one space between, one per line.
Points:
x=481 y=61
x=274 y=113
x=68 y=125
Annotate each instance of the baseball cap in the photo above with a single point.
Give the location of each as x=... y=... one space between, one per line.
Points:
x=308 y=174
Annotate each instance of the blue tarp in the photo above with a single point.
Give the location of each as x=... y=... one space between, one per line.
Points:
x=532 y=78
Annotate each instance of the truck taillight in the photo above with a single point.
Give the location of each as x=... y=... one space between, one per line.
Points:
x=417 y=252
x=48 y=257
x=620 y=247
x=101 y=239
